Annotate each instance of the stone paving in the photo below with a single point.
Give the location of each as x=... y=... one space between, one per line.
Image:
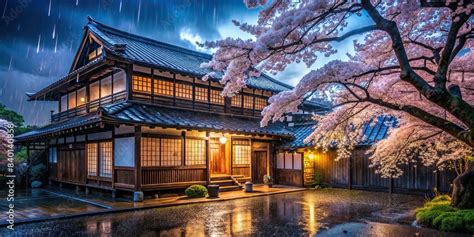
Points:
x=42 y=204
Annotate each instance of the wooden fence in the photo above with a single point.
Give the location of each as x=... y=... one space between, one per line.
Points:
x=356 y=173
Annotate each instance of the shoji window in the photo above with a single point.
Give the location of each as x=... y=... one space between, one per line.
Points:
x=92 y=159
x=241 y=152
x=216 y=97
x=184 y=91
x=141 y=84
x=161 y=151
x=150 y=151
x=260 y=103
x=290 y=161
x=171 y=152
x=163 y=87
x=236 y=101
x=200 y=94
x=105 y=155
x=99 y=159
x=248 y=101
x=195 y=152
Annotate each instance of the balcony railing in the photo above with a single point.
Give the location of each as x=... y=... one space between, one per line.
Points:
x=88 y=107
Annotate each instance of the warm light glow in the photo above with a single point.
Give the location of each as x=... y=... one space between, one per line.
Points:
x=223 y=140
x=311 y=156
x=83 y=99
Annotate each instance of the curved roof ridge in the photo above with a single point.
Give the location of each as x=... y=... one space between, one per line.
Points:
x=115 y=31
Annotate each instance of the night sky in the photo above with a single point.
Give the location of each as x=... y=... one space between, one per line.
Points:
x=39 y=38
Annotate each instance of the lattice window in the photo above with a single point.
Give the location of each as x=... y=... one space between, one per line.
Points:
x=184 y=91
x=241 y=152
x=141 y=84
x=163 y=87
x=171 y=152
x=236 y=101
x=260 y=103
x=53 y=155
x=105 y=155
x=201 y=94
x=150 y=151
x=248 y=101
x=216 y=97
x=195 y=152
x=92 y=159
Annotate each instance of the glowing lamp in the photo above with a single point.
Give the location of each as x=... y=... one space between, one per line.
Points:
x=223 y=140
x=83 y=99
x=311 y=156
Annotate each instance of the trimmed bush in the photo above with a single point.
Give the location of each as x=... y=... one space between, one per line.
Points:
x=196 y=191
x=452 y=223
x=439 y=214
x=426 y=215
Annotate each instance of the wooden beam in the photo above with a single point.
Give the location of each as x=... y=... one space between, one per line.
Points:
x=208 y=147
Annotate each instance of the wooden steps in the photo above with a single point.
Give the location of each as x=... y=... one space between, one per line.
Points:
x=228 y=182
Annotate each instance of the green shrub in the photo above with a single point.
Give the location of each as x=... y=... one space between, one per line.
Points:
x=439 y=219
x=452 y=223
x=195 y=191
x=316 y=180
x=468 y=216
x=426 y=216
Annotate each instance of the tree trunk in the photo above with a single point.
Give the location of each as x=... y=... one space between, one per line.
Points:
x=463 y=190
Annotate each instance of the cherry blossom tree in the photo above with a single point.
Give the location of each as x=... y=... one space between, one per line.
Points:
x=415 y=63
x=5 y=137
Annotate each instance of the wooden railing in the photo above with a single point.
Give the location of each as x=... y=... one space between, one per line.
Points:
x=88 y=107
x=159 y=175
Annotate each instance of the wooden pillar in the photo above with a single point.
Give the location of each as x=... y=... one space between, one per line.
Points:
x=129 y=80
x=138 y=168
x=437 y=180
x=208 y=147
x=28 y=163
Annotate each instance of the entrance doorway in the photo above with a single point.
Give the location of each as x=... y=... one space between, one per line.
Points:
x=259 y=167
x=218 y=162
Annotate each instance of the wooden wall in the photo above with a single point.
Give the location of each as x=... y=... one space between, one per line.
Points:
x=71 y=166
x=356 y=173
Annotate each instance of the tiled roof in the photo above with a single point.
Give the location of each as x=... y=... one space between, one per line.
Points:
x=154 y=53
x=138 y=113
x=59 y=126
x=379 y=131
x=371 y=134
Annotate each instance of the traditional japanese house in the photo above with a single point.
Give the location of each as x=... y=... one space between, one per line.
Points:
x=135 y=115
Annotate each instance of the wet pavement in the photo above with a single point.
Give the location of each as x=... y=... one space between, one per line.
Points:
x=331 y=212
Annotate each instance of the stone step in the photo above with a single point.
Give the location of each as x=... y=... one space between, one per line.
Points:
x=220 y=177
x=224 y=182
x=229 y=188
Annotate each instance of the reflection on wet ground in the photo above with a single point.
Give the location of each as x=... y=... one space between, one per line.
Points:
x=328 y=212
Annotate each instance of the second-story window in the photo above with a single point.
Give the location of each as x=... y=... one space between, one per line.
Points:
x=72 y=100
x=260 y=103
x=119 y=82
x=236 y=101
x=81 y=96
x=94 y=91
x=184 y=91
x=142 y=84
x=248 y=102
x=163 y=87
x=64 y=102
x=216 y=97
x=105 y=87
x=200 y=94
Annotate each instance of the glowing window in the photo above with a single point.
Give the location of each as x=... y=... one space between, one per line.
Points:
x=141 y=84
x=163 y=87
x=184 y=91
x=216 y=97
x=241 y=152
x=195 y=152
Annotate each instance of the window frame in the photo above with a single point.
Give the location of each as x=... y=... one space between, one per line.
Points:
x=157 y=154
